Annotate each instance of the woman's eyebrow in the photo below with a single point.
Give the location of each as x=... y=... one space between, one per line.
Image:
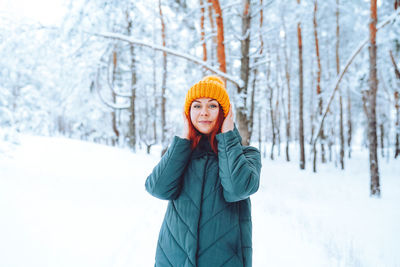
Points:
x=197 y=101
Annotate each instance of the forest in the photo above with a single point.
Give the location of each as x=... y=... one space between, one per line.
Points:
x=309 y=80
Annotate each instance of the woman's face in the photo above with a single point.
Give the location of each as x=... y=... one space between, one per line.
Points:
x=204 y=114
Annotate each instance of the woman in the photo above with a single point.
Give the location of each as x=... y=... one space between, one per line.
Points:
x=207 y=176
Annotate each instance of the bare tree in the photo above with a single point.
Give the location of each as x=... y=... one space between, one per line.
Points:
x=396 y=105
x=114 y=98
x=243 y=120
x=319 y=90
x=202 y=31
x=220 y=35
x=213 y=46
x=289 y=101
x=371 y=106
x=340 y=91
x=163 y=84
x=132 y=120
x=301 y=89
x=255 y=69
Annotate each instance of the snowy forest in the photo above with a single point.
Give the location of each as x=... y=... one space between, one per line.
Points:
x=92 y=94
x=309 y=80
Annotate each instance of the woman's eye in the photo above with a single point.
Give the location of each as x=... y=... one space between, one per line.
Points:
x=196 y=106
x=213 y=106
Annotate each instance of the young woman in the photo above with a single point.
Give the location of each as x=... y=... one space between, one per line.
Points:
x=207 y=176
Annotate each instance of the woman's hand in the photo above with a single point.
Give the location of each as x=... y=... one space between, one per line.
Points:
x=228 y=123
x=185 y=131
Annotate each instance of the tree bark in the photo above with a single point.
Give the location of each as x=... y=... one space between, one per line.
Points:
x=349 y=123
x=241 y=110
x=132 y=118
x=259 y=132
x=114 y=98
x=301 y=89
x=155 y=103
x=255 y=72
x=396 y=105
x=220 y=35
x=272 y=117
x=287 y=75
x=277 y=113
x=319 y=90
x=202 y=31
x=270 y=111
x=373 y=87
x=163 y=85
x=340 y=91
x=319 y=71
x=213 y=47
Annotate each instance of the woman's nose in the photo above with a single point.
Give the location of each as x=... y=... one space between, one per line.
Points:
x=204 y=111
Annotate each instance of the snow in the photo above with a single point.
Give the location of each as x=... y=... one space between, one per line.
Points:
x=70 y=203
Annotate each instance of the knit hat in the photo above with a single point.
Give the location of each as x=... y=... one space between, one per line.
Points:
x=212 y=87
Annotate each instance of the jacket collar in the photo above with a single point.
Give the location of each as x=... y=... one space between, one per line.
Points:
x=204 y=146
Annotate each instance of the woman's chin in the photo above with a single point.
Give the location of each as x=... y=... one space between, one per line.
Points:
x=204 y=130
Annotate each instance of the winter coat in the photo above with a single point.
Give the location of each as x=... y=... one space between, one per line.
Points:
x=208 y=219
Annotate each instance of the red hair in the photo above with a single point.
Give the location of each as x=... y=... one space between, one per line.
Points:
x=195 y=135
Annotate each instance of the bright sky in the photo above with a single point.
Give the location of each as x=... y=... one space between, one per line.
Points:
x=47 y=12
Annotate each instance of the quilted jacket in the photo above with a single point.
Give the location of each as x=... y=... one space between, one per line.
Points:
x=208 y=218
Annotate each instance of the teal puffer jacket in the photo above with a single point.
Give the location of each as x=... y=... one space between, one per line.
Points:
x=208 y=219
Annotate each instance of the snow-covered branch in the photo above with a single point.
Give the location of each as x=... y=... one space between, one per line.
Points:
x=110 y=105
x=238 y=82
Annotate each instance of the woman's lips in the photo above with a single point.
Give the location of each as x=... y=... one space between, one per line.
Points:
x=205 y=122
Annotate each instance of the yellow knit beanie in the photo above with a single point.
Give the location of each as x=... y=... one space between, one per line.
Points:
x=212 y=87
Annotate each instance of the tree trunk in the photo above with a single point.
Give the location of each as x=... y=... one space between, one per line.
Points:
x=373 y=87
x=114 y=98
x=202 y=32
x=277 y=113
x=213 y=47
x=382 y=138
x=255 y=72
x=287 y=75
x=301 y=89
x=319 y=90
x=396 y=105
x=259 y=132
x=340 y=92
x=341 y=131
x=349 y=123
x=220 y=35
x=155 y=114
x=270 y=109
x=311 y=109
x=252 y=97
x=241 y=111
x=163 y=86
x=132 y=119
x=272 y=117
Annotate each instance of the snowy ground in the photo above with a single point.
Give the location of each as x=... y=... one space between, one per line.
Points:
x=70 y=203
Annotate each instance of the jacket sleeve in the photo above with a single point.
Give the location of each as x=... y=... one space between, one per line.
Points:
x=165 y=180
x=239 y=167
